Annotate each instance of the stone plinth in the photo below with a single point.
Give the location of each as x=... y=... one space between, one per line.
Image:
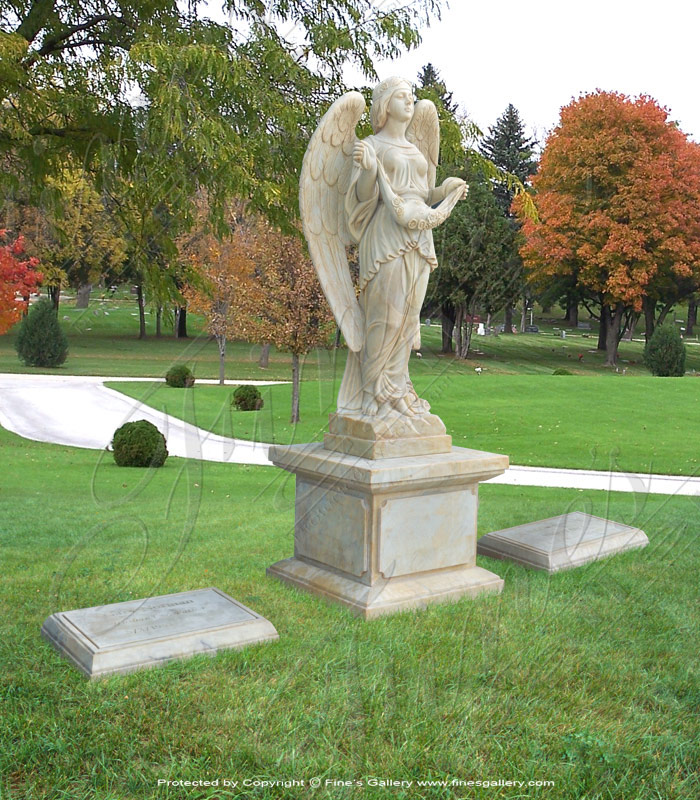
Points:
x=382 y=535
x=391 y=437
x=561 y=542
x=123 y=637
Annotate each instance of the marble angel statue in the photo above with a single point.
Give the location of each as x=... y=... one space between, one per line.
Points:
x=378 y=193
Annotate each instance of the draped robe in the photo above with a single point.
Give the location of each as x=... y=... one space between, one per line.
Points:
x=395 y=263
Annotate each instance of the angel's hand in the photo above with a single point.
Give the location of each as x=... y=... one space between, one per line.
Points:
x=450 y=184
x=363 y=154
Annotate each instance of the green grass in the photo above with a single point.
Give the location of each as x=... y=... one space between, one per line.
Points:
x=587 y=678
x=631 y=424
x=103 y=341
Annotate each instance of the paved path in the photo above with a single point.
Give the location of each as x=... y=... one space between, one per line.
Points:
x=81 y=412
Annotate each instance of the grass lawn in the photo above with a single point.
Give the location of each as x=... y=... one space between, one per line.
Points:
x=587 y=678
x=630 y=423
x=103 y=341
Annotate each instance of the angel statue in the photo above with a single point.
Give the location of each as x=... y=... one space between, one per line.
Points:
x=378 y=193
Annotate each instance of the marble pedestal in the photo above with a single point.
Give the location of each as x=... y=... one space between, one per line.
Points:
x=382 y=535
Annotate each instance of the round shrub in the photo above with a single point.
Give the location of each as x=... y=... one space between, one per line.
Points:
x=247 y=398
x=139 y=444
x=664 y=354
x=41 y=341
x=180 y=376
x=562 y=371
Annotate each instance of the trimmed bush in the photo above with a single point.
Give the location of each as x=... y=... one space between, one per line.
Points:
x=247 y=398
x=139 y=444
x=41 y=341
x=664 y=354
x=562 y=371
x=180 y=377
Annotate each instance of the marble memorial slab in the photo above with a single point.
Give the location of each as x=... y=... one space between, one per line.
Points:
x=122 y=637
x=561 y=542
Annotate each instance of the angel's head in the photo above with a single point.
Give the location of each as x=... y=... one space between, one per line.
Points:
x=391 y=97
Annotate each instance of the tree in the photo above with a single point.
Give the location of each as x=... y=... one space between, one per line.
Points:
x=618 y=196
x=18 y=276
x=41 y=341
x=75 y=237
x=225 y=267
x=508 y=147
x=429 y=79
x=474 y=245
x=283 y=302
x=222 y=105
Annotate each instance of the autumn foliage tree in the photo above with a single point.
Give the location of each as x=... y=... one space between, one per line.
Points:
x=282 y=302
x=221 y=270
x=19 y=278
x=618 y=197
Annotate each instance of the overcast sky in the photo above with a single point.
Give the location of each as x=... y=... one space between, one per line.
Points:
x=538 y=54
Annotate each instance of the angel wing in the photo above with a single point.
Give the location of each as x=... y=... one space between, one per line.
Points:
x=424 y=132
x=325 y=178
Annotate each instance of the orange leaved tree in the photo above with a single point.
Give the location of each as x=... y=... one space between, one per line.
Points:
x=282 y=303
x=18 y=276
x=618 y=199
x=220 y=269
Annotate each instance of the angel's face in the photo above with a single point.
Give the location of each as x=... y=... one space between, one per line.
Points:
x=401 y=104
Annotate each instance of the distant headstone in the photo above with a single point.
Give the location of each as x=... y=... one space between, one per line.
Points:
x=481 y=331
x=123 y=637
x=427 y=322
x=561 y=542
x=563 y=334
x=532 y=329
x=584 y=326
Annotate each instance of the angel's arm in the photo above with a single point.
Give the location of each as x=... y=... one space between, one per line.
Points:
x=365 y=158
x=439 y=193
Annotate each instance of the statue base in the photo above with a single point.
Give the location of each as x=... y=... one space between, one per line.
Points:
x=384 y=535
x=395 y=436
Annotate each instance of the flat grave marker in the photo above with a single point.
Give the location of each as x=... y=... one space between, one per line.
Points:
x=122 y=637
x=563 y=542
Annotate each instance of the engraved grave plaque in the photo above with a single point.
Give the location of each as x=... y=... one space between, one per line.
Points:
x=122 y=637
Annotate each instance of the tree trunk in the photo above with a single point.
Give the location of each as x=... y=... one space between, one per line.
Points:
x=82 y=299
x=467 y=339
x=295 y=388
x=571 y=318
x=649 y=306
x=603 y=329
x=142 y=311
x=692 y=316
x=447 y=312
x=508 y=321
x=631 y=325
x=336 y=343
x=458 y=328
x=664 y=313
x=612 y=333
x=221 y=341
x=181 y=323
x=159 y=319
x=54 y=293
x=264 y=359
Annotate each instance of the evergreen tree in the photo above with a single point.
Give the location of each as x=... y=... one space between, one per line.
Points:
x=41 y=341
x=430 y=79
x=511 y=150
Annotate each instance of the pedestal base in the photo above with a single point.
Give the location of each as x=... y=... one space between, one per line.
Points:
x=388 y=596
x=382 y=535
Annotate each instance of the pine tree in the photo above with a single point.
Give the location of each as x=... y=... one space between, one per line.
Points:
x=511 y=150
x=430 y=79
x=41 y=341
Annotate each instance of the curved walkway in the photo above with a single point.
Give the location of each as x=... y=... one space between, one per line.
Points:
x=80 y=411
